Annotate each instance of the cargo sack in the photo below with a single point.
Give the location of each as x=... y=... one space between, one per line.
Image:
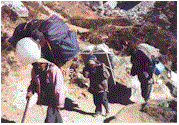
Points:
x=24 y=30
x=147 y=56
x=63 y=42
x=149 y=51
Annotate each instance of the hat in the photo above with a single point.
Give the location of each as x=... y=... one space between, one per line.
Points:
x=42 y=60
x=91 y=61
x=92 y=56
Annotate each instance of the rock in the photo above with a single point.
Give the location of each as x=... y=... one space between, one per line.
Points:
x=160 y=91
x=17 y=7
x=80 y=80
x=162 y=111
x=172 y=83
x=95 y=5
x=40 y=2
x=110 y=4
x=122 y=12
x=140 y=9
x=5 y=69
x=172 y=87
x=174 y=66
x=108 y=13
x=132 y=114
x=115 y=12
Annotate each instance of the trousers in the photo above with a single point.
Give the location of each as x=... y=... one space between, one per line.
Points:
x=53 y=115
x=99 y=100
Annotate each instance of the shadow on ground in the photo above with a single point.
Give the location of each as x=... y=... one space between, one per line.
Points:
x=109 y=119
x=119 y=94
x=6 y=121
x=71 y=106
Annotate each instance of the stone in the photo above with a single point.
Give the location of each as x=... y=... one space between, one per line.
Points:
x=142 y=7
x=162 y=111
x=95 y=5
x=110 y=4
x=17 y=7
x=160 y=91
x=108 y=13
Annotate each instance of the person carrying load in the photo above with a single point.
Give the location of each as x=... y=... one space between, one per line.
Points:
x=98 y=76
x=47 y=81
x=145 y=62
x=52 y=39
x=43 y=43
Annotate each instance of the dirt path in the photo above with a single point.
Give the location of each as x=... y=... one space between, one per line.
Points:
x=79 y=105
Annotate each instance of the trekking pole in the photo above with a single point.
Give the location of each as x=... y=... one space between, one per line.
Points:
x=24 y=115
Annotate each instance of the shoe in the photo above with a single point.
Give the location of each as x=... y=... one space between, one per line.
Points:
x=143 y=107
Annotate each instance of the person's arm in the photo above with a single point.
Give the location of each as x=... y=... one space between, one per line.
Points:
x=60 y=88
x=32 y=87
x=134 y=68
x=86 y=73
x=106 y=73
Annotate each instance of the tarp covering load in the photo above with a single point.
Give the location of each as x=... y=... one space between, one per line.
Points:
x=103 y=54
x=63 y=42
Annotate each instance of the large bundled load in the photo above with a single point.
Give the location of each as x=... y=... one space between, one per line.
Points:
x=103 y=54
x=51 y=38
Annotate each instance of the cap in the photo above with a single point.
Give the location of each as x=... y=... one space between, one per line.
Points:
x=91 y=62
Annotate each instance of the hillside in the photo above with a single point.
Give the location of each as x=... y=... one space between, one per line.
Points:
x=118 y=32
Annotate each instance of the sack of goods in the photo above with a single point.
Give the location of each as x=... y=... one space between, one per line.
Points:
x=49 y=38
x=152 y=55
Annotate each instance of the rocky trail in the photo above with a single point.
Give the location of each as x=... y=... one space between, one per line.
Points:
x=79 y=106
x=118 y=31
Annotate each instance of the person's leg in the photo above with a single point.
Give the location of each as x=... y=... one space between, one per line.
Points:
x=50 y=118
x=58 y=118
x=146 y=89
x=97 y=102
x=105 y=102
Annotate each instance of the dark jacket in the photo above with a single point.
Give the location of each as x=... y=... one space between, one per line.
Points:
x=98 y=78
x=141 y=67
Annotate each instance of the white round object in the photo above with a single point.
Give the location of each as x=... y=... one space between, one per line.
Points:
x=28 y=51
x=20 y=100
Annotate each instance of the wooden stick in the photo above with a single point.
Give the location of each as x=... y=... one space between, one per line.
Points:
x=24 y=115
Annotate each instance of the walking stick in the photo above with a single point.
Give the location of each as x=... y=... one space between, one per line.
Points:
x=23 y=118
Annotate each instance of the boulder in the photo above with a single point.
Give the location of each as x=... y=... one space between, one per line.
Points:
x=132 y=114
x=160 y=91
x=172 y=84
x=80 y=80
x=119 y=12
x=17 y=7
x=110 y=4
x=162 y=111
x=95 y=5
x=140 y=9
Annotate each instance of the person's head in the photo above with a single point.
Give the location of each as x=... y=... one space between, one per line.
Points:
x=92 y=63
x=92 y=56
x=40 y=64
